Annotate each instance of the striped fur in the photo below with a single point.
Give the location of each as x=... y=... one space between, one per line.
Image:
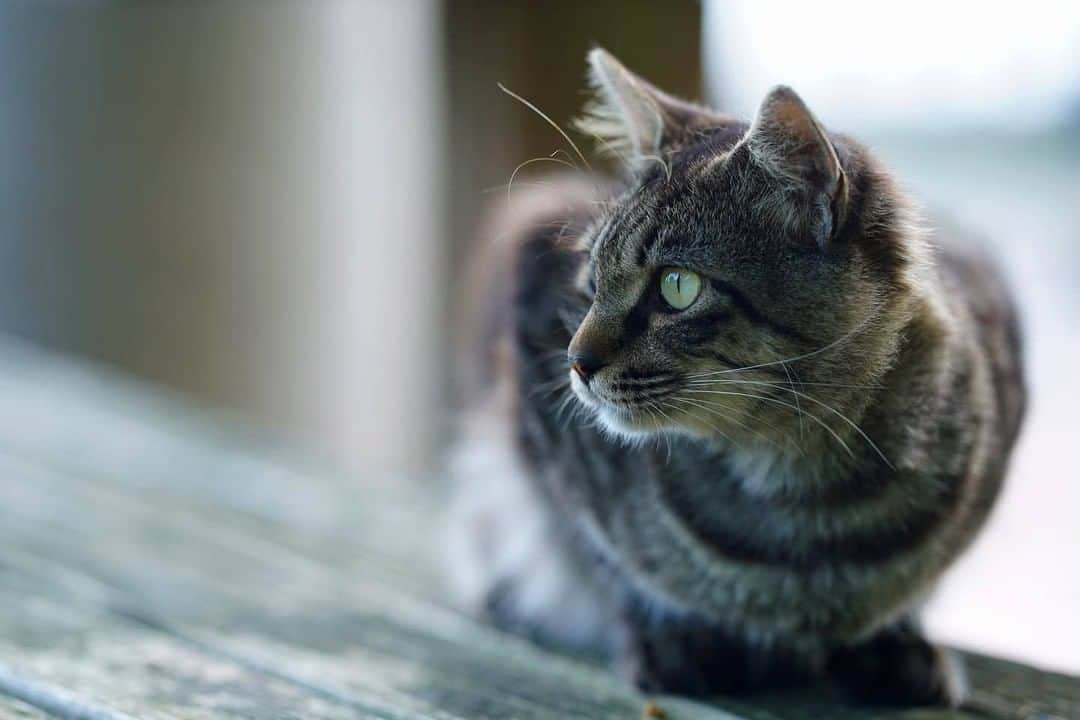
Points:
x=766 y=485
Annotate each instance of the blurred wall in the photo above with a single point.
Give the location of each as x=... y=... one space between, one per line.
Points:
x=537 y=49
x=239 y=199
x=896 y=66
x=265 y=204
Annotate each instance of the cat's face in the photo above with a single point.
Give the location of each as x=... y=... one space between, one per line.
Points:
x=724 y=302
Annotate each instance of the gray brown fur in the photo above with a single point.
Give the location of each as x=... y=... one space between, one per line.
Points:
x=711 y=540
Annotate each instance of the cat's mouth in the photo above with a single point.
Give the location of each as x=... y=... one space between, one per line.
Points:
x=620 y=416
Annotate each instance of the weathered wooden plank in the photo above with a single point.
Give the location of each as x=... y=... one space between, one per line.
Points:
x=398 y=643
x=12 y=709
x=79 y=661
x=318 y=627
x=1010 y=690
x=154 y=515
x=80 y=418
x=348 y=645
x=57 y=701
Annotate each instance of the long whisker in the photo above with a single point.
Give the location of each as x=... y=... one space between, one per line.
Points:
x=550 y=122
x=733 y=381
x=530 y=161
x=802 y=425
x=567 y=403
x=788 y=405
x=544 y=357
x=564 y=151
x=843 y=338
x=712 y=427
x=666 y=436
x=849 y=422
x=549 y=388
x=796 y=394
x=660 y=410
x=729 y=418
x=663 y=163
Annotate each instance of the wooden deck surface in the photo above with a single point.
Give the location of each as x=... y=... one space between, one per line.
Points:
x=158 y=562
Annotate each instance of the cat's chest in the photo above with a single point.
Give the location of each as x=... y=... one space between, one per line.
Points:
x=696 y=537
x=750 y=567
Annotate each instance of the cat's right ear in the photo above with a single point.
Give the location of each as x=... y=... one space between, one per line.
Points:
x=791 y=145
x=628 y=116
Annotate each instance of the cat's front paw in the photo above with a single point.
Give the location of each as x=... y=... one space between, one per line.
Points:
x=899 y=667
x=653 y=668
x=693 y=659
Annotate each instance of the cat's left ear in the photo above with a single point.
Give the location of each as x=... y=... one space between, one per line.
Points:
x=631 y=118
x=789 y=143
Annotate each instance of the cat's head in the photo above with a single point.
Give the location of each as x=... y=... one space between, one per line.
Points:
x=753 y=280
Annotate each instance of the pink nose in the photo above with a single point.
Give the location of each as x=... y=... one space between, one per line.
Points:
x=585 y=364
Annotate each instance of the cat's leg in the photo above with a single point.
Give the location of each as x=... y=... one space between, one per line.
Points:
x=689 y=655
x=898 y=666
x=508 y=558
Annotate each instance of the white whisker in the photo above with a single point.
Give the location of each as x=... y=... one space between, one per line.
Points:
x=732 y=381
x=664 y=436
x=843 y=338
x=802 y=425
x=712 y=427
x=710 y=408
x=796 y=394
x=788 y=405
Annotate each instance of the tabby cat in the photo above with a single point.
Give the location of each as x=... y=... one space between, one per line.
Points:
x=735 y=414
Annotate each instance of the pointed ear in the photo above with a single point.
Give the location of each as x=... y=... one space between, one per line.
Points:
x=787 y=141
x=628 y=116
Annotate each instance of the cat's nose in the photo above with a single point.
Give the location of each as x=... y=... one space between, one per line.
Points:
x=585 y=363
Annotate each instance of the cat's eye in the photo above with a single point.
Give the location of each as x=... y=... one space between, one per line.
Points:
x=679 y=287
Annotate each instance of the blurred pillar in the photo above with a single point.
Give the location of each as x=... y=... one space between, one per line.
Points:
x=240 y=199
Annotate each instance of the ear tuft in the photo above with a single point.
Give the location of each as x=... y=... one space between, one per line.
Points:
x=625 y=114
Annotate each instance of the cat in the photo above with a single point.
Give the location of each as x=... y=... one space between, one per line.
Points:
x=733 y=414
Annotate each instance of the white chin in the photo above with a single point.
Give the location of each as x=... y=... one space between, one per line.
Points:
x=616 y=422
x=620 y=424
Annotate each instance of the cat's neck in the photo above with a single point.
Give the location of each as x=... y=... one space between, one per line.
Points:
x=875 y=440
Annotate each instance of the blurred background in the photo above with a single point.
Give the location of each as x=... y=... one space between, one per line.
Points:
x=267 y=205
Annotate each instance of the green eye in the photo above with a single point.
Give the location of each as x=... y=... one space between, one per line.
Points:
x=679 y=287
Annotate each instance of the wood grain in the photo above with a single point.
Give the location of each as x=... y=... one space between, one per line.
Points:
x=160 y=562
x=13 y=709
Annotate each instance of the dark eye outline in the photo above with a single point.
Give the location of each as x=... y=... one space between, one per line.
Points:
x=658 y=283
x=590 y=281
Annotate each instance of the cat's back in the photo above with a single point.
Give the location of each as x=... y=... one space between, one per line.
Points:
x=977 y=288
x=520 y=278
